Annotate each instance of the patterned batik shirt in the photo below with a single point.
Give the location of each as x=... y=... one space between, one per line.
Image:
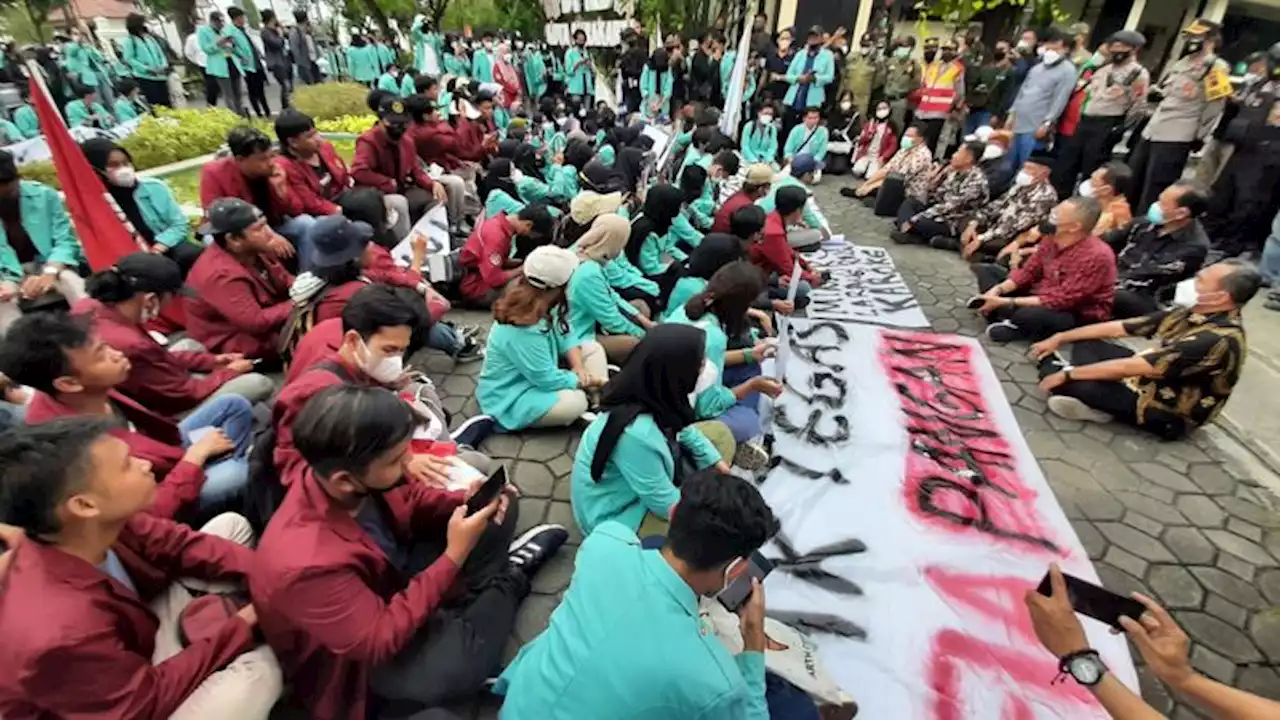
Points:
x=1021 y=208
x=913 y=164
x=1199 y=360
x=960 y=194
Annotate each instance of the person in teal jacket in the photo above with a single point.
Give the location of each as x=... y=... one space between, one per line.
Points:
x=25 y=115
x=722 y=310
x=760 y=138
x=9 y=133
x=535 y=73
x=521 y=384
x=816 y=228
x=580 y=71
x=86 y=111
x=362 y=61
x=656 y=83
x=629 y=639
x=596 y=311
x=390 y=81
x=423 y=38
x=222 y=63
x=148 y=203
x=407 y=85
x=143 y=55
x=482 y=60
x=810 y=73
x=727 y=62
x=85 y=64
x=455 y=61
x=625 y=469
x=385 y=52
x=651 y=248
x=55 y=249
x=130 y=105
x=808 y=137
x=716 y=251
x=698 y=210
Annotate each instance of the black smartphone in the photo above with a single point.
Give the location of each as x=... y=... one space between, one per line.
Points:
x=739 y=589
x=488 y=492
x=1097 y=602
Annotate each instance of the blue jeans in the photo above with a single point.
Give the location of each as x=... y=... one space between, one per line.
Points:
x=1269 y=264
x=1023 y=145
x=786 y=701
x=297 y=230
x=977 y=118
x=227 y=476
x=444 y=337
x=11 y=415
x=743 y=419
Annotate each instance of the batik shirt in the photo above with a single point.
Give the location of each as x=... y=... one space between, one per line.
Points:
x=1021 y=208
x=958 y=195
x=913 y=164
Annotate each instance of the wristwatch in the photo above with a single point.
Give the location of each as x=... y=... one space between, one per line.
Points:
x=1085 y=666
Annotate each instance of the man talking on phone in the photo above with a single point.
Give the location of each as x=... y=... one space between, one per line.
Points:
x=632 y=613
x=382 y=596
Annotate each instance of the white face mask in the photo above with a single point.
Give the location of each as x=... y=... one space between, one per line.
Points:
x=393 y=217
x=764 y=119
x=1023 y=179
x=471 y=112
x=123 y=176
x=516 y=175
x=728 y=574
x=1051 y=57
x=386 y=370
x=882 y=113
x=983 y=132
x=991 y=152
x=1086 y=189
x=1185 y=295
x=708 y=376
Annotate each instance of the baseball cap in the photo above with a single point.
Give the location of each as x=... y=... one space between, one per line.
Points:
x=229 y=215
x=549 y=266
x=803 y=164
x=150 y=273
x=337 y=240
x=393 y=110
x=759 y=174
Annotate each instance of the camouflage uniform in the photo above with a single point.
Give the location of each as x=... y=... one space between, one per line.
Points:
x=862 y=75
x=902 y=75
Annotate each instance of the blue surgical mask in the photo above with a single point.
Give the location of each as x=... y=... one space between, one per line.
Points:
x=1155 y=215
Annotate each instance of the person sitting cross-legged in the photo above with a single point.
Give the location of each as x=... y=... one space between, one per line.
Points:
x=384 y=596
x=958 y=191
x=386 y=159
x=1022 y=206
x=596 y=311
x=94 y=612
x=87 y=112
x=1170 y=389
x=912 y=161
x=202 y=460
x=1069 y=281
x=486 y=258
x=773 y=254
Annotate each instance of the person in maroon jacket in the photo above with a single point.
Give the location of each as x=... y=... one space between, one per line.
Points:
x=241 y=291
x=387 y=160
x=339 y=246
x=316 y=175
x=774 y=255
x=757 y=185
x=436 y=143
x=378 y=592
x=75 y=373
x=173 y=380
x=95 y=594
x=251 y=174
x=486 y=261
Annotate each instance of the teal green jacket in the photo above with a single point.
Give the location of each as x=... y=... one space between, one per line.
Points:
x=562 y=181
x=532 y=189
x=649 y=89
x=456 y=66
x=421 y=40
x=385 y=55
x=535 y=75
x=595 y=307
x=700 y=214
x=824 y=73
x=713 y=401
x=726 y=71
x=27 y=121
x=44 y=217
x=79 y=61
x=651 y=261
x=629 y=634
x=362 y=64
x=556 y=144
x=125 y=110
x=78 y=114
x=521 y=373
x=816 y=145
x=760 y=144
x=242 y=49
x=684 y=289
x=219 y=57
x=407 y=86
x=161 y=212
x=683 y=229
x=622 y=275
x=637 y=478
x=481 y=65
x=813 y=217
x=695 y=157
x=500 y=201
x=11 y=133
x=681 y=143
x=389 y=83
x=557 y=68
x=144 y=57
x=580 y=72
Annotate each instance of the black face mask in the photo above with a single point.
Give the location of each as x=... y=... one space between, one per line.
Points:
x=997 y=55
x=1119 y=57
x=929 y=55
x=395 y=132
x=1192 y=46
x=948 y=56
x=1048 y=228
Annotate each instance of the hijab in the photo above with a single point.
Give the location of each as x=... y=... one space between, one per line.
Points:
x=601 y=178
x=578 y=154
x=498 y=178
x=661 y=206
x=606 y=238
x=692 y=182
x=507 y=149
x=630 y=164
x=657 y=380
x=714 y=252
x=97 y=151
x=526 y=161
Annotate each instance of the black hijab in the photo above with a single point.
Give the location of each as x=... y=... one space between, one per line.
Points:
x=601 y=178
x=630 y=163
x=578 y=154
x=714 y=252
x=692 y=181
x=526 y=161
x=498 y=178
x=507 y=149
x=661 y=206
x=97 y=151
x=657 y=380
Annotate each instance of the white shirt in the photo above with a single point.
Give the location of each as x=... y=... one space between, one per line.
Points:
x=191 y=49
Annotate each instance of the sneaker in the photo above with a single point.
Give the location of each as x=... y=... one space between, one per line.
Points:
x=613 y=370
x=751 y=456
x=942 y=242
x=849 y=192
x=471 y=351
x=975 y=302
x=1074 y=409
x=588 y=416
x=467 y=331
x=529 y=552
x=1003 y=332
x=906 y=238
x=473 y=431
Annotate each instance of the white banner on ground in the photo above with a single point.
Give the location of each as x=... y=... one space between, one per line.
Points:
x=914 y=518
x=37 y=148
x=865 y=286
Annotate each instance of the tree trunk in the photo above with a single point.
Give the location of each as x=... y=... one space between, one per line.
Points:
x=375 y=10
x=184 y=13
x=37 y=22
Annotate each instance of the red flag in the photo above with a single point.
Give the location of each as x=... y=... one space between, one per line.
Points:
x=102 y=235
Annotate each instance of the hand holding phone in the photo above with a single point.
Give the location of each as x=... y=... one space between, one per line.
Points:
x=739 y=589
x=1094 y=601
x=488 y=491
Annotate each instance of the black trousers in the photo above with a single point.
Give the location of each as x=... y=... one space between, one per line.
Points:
x=185 y=254
x=650 y=301
x=1110 y=396
x=256 y=83
x=1096 y=136
x=924 y=228
x=1156 y=166
x=1129 y=304
x=283 y=77
x=1033 y=323
x=1244 y=201
x=210 y=89
x=1066 y=164
x=931 y=129
x=155 y=91
x=461 y=643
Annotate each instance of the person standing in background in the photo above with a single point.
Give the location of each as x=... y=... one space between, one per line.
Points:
x=144 y=56
x=581 y=71
x=221 y=64
x=863 y=74
x=1081 y=54
x=942 y=91
x=302 y=46
x=776 y=63
x=196 y=56
x=810 y=74
x=362 y=61
x=1042 y=98
x=987 y=87
x=482 y=59
x=246 y=55
x=534 y=67
x=902 y=77
x=276 y=48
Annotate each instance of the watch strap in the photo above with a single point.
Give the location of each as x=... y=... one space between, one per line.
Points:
x=1064 y=666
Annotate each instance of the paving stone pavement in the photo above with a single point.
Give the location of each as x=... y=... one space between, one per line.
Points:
x=1178 y=521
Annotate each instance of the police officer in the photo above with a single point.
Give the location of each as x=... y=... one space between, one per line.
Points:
x=1117 y=90
x=863 y=73
x=1245 y=193
x=902 y=76
x=1192 y=97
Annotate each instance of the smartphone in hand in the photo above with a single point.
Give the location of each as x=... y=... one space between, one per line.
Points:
x=739 y=590
x=488 y=492
x=1096 y=602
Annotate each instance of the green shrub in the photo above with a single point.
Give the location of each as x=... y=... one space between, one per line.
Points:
x=41 y=172
x=176 y=135
x=330 y=101
x=354 y=124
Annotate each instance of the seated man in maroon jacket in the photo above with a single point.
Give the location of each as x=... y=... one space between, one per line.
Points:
x=202 y=460
x=387 y=160
x=316 y=175
x=486 y=261
x=95 y=594
x=251 y=174
x=241 y=291
x=436 y=142
x=383 y=595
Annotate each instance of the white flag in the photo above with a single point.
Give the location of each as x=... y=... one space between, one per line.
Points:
x=737 y=86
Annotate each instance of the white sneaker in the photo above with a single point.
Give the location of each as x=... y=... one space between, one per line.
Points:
x=1071 y=408
x=751 y=456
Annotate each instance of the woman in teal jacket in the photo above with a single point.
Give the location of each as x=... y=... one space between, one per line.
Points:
x=25 y=116
x=44 y=218
x=760 y=138
x=9 y=133
x=362 y=61
x=630 y=458
x=656 y=83
x=716 y=251
x=535 y=73
x=148 y=203
x=596 y=311
x=455 y=60
x=819 y=64
x=580 y=71
x=699 y=208
x=389 y=81
x=130 y=105
x=144 y=56
x=522 y=384
x=88 y=112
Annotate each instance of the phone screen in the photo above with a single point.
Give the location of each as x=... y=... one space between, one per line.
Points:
x=488 y=491
x=1097 y=602
x=739 y=589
